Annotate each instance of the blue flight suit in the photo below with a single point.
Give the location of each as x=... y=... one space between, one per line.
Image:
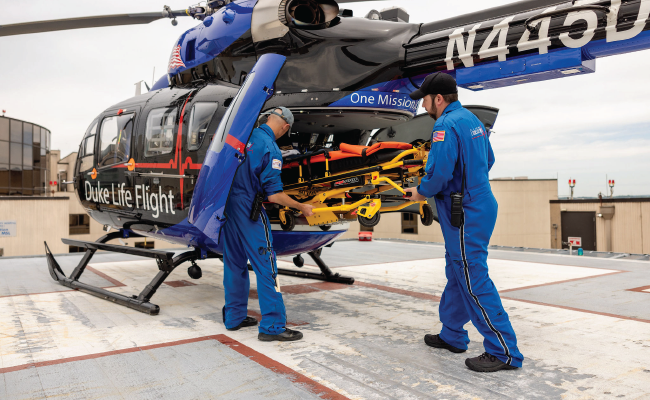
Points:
x=460 y=139
x=245 y=239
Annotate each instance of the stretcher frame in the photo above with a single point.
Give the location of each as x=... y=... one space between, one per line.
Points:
x=330 y=202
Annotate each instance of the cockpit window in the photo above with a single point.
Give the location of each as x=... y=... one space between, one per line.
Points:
x=159 y=137
x=200 y=118
x=115 y=140
x=87 y=148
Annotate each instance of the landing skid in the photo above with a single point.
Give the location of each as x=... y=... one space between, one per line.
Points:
x=166 y=265
x=325 y=275
x=165 y=260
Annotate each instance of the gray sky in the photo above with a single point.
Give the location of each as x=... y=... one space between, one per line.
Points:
x=582 y=127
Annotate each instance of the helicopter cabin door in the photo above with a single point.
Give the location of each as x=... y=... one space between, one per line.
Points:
x=157 y=180
x=228 y=148
x=101 y=174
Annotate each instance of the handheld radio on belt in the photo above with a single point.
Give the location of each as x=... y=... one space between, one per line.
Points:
x=257 y=206
x=457 y=204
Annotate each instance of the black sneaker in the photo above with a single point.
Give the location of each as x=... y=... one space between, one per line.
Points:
x=288 y=335
x=248 y=321
x=487 y=363
x=435 y=341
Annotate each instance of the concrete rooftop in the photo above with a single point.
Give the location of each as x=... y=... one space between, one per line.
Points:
x=583 y=325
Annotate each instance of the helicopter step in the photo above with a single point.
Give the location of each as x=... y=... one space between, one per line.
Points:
x=325 y=275
x=165 y=260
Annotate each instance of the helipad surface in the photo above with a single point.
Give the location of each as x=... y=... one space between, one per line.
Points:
x=583 y=325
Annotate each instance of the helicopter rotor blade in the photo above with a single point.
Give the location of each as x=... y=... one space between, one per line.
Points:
x=354 y=1
x=87 y=22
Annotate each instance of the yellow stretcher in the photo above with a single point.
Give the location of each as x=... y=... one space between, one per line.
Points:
x=358 y=193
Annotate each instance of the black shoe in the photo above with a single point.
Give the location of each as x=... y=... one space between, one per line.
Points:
x=487 y=363
x=248 y=321
x=287 y=336
x=435 y=341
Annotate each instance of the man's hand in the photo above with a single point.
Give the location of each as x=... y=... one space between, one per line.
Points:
x=415 y=196
x=307 y=210
x=284 y=200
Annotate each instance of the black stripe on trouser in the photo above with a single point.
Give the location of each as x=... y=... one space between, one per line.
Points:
x=270 y=249
x=469 y=289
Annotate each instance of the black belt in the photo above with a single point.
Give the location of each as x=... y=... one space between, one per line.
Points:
x=440 y=196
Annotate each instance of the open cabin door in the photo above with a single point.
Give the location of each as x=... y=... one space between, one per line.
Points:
x=228 y=148
x=421 y=127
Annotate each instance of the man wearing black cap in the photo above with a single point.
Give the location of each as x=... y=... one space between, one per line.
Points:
x=457 y=176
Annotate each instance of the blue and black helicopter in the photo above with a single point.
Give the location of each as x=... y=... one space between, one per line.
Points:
x=161 y=164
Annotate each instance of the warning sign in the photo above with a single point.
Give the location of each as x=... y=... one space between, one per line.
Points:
x=8 y=229
x=575 y=241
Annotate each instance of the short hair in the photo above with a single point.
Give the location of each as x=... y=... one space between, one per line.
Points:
x=450 y=98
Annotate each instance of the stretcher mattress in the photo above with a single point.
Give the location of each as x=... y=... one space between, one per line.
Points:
x=348 y=158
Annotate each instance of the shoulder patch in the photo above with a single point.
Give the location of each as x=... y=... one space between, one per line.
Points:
x=277 y=164
x=438 y=136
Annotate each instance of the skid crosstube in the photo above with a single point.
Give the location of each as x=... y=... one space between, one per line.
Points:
x=165 y=260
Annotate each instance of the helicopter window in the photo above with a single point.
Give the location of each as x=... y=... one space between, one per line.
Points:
x=115 y=140
x=87 y=148
x=159 y=138
x=199 y=120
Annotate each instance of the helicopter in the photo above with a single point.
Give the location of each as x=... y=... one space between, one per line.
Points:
x=161 y=164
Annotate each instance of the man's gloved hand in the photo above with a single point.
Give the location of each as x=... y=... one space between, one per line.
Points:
x=415 y=196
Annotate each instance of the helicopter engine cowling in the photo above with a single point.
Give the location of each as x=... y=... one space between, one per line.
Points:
x=309 y=14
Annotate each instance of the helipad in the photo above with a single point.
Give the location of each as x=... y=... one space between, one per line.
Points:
x=583 y=325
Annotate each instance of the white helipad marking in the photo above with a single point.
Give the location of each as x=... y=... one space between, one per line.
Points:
x=430 y=274
x=347 y=328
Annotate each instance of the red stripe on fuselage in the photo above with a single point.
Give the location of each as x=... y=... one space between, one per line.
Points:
x=176 y=162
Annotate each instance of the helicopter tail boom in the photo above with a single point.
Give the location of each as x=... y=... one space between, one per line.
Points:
x=517 y=44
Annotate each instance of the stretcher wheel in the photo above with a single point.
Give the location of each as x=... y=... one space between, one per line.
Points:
x=427 y=215
x=325 y=228
x=291 y=222
x=369 y=222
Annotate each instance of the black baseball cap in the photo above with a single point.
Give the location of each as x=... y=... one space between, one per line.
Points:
x=438 y=83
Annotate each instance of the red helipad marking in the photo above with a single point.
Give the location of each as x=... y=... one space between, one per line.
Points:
x=321 y=391
x=641 y=289
x=558 y=282
x=580 y=310
x=418 y=295
x=181 y=283
x=312 y=386
x=99 y=355
x=374 y=263
x=305 y=288
x=114 y=281
x=313 y=287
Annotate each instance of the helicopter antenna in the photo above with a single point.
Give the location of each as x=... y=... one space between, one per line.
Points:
x=138 y=88
x=153 y=76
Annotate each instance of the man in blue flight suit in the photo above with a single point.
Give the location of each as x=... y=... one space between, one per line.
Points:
x=246 y=239
x=457 y=167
